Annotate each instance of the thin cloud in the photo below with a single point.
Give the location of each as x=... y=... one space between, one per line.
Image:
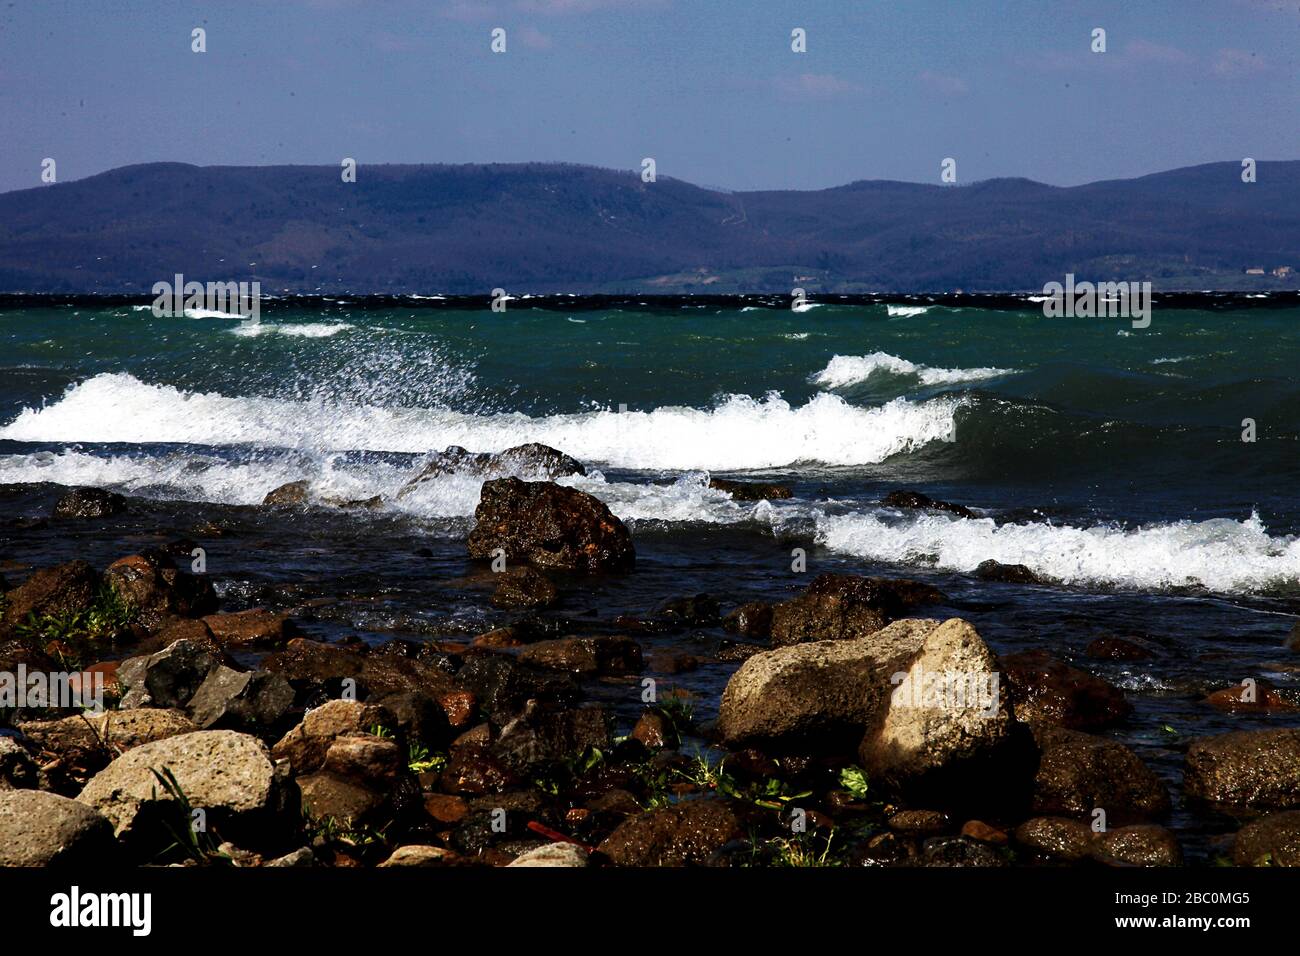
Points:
x=1234 y=63
x=944 y=83
x=814 y=86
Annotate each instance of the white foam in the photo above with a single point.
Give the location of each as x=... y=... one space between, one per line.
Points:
x=904 y=311
x=212 y=314
x=844 y=370
x=1220 y=554
x=740 y=433
x=308 y=330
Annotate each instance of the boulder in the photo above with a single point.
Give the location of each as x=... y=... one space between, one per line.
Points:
x=415 y=855
x=1272 y=840
x=542 y=737
x=1255 y=769
x=44 y=829
x=158 y=591
x=290 y=493
x=588 y=656
x=750 y=490
x=501 y=685
x=89 y=503
x=917 y=500
x=1079 y=773
x=550 y=526
x=252 y=701
x=837 y=607
x=307 y=745
x=63 y=590
x=168 y=678
x=684 y=834
x=226 y=774
x=533 y=460
x=1253 y=697
x=1060 y=838
x=119 y=730
x=1006 y=573
x=1046 y=690
x=256 y=627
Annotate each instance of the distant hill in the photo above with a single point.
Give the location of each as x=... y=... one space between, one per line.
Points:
x=564 y=228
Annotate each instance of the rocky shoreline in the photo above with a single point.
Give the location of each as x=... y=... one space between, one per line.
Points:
x=854 y=728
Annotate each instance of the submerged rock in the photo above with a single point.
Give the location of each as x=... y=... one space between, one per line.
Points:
x=532 y=460
x=1007 y=573
x=550 y=526
x=588 y=656
x=750 y=490
x=526 y=588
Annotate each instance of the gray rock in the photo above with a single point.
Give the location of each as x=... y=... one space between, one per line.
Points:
x=43 y=829
x=554 y=854
x=241 y=700
x=168 y=678
x=18 y=771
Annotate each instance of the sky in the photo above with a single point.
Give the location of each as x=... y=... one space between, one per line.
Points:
x=710 y=89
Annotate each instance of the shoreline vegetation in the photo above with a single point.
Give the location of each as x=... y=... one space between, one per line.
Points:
x=854 y=729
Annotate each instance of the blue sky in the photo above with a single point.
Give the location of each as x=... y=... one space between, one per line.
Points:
x=709 y=88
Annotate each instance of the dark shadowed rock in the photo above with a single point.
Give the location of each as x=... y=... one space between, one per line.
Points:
x=750 y=490
x=752 y=619
x=290 y=493
x=1047 y=690
x=917 y=500
x=1006 y=573
x=1272 y=840
x=1255 y=769
x=44 y=829
x=252 y=701
x=542 y=737
x=502 y=686
x=838 y=607
x=159 y=592
x=951 y=851
x=1117 y=649
x=550 y=526
x=1079 y=773
x=532 y=461
x=168 y=678
x=62 y=590
x=686 y=834
x=89 y=503
x=472 y=770
x=1293 y=639
x=586 y=655
x=18 y=771
x=524 y=587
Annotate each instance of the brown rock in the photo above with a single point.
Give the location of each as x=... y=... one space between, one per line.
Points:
x=1058 y=837
x=981 y=831
x=158 y=591
x=257 y=627
x=1117 y=649
x=1272 y=840
x=838 y=607
x=586 y=655
x=525 y=587
x=445 y=808
x=290 y=493
x=1145 y=845
x=750 y=490
x=1045 y=690
x=66 y=589
x=1079 y=773
x=752 y=619
x=1256 y=769
x=684 y=834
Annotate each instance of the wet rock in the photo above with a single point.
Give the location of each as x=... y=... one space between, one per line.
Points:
x=1272 y=840
x=502 y=686
x=89 y=503
x=550 y=526
x=543 y=737
x=1293 y=639
x=699 y=610
x=1046 y=690
x=227 y=774
x=1117 y=649
x=525 y=587
x=817 y=695
x=685 y=834
x=1059 y=838
x=158 y=591
x=838 y=607
x=316 y=671
x=168 y=678
x=917 y=500
x=256 y=627
x=532 y=460
x=553 y=854
x=420 y=718
x=1079 y=773
x=918 y=822
x=959 y=851
x=752 y=620
x=253 y=701
x=472 y=770
x=18 y=771
x=1143 y=845
x=654 y=731
x=415 y=855
x=63 y=590
x=290 y=493
x=750 y=490
x=1256 y=769
x=736 y=652
x=445 y=808
x=44 y=829
x=1252 y=697
x=1006 y=573
x=982 y=832
x=588 y=656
